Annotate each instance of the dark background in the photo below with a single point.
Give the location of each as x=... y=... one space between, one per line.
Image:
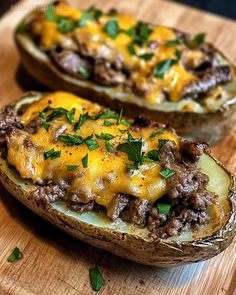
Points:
x=225 y=8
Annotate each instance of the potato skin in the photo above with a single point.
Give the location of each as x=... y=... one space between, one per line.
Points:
x=211 y=127
x=163 y=253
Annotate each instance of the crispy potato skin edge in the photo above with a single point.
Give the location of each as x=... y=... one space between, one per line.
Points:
x=211 y=127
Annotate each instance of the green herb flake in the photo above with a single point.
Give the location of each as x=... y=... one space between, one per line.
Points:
x=199 y=39
x=82 y=119
x=55 y=113
x=71 y=139
x=162 y=142
x=108 y=123
x=120 y=117
x=146 y=56
x=173 y=43
x=84 y=19
x=94 y=12
x=132 y=148
x=167 y=173
x=96 y=279
x=66 y=25
x=108 y=146
x=71 y=167
x=22 y=27
x=50 y=13
x=112 y=28
x=84 y=161
x=70 y=115
x=154 y=155
x=84 y=72
x=134 y=166
x=140 y=33
x=108 y=115
x=177 y=54
x=92 y=144
x=162 y=67
x=131 y=49
x=15 y=255
x=105 y=136
x=158 y=132
x=45 y=125
x=52 y=154
x=163 y=208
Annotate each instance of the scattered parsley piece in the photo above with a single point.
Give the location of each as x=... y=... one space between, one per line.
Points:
x=52 y=154
x=108 y=115
x=22 y=28
x=112 y=28
x=84 y=72
x=131 y=49
x=177 y=54
x=163 y=208
x=84 y=161
x=66 y=25
x=120 y=117
x=70 y=115
x=71 y=167
x=134 y=166
x=83 y=118
x=162 y=142
x=105 y=136
x=50 y=13
x=96 y=279
x=108 y=123
x=84 y=19
x=71 y=139
x=45 y=125
x=146 y=56
x=92 y=144
x=162 y=67
x=15 y=255
x=132 y=147
x=140 y=33
x=146 y=159
x=154 y=155
x=158 y=132
x=199 y=39
x=172 y=43
x=55 y=113
x=108 y=146
x=167 y=173
x=94 y=12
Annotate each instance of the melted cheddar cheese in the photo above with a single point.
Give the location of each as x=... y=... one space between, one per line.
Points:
x=106 y=173
x=100 y=44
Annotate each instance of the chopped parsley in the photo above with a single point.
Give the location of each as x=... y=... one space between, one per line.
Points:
x=52 y=154
x=132 y=147
x=94 y=12
x=108 y=115
x=105 y=136
x=71 y=167
x=172 y=43
x=15 y=255
x=66 y=25
x=163 y=208
x=140 y=33
x=84 y=19
x=82 y=119
x=158 y=132
x=108 y=146
x=50 y=13
x=154 y=155
x=55 y=113
x=167 y=173
x=45 y=125
x=22 y=28
x=72 y=139
x=162 y=67
x=70 y=116
x=84 y=72
x=112 y=28
x=84 y=161
x=92 y=144
x=162 y=142
x=96 y=279
x=146 y=56
x=134 y=166
x=199 y=39
x=120 y=117
x=108 y=123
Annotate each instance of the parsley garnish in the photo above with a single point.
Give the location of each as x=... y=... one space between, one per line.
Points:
x=70 y=116
x=199 y=39
x=108 y=115
x=92 y=144
x=132 y=147
x=134 y=166
x=84 y=161
x=50 y=13
x=52 y=154
x=140 y=33
x=105 y=136
x=55 y=113
x=163 y=208
x=71 y=167
x=112 y=28
x=45 y=125
x=96 y=279
x=94 y=12
x=162 y=67
x=71 y=139
x=108 y=146
x=131 y=49
x=15 y=255
x=108 y=123
x=158 y=132
x=66 y=25
x=84 y=19
x=84 y=72
x=172 y=43
x=162 y=142
x=154 y=155
x=120 y=117
x=146 y=56
x=22 y=27
x=167 y=173
x=83 y=118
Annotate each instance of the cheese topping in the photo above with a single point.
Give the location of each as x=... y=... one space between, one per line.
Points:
x=106 y=173
x=93 y=35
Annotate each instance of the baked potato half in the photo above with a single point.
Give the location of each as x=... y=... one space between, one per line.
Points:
x=120 y=62
x=133 y=188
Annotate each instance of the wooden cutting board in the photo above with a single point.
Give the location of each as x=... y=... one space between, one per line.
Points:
x=57 y=264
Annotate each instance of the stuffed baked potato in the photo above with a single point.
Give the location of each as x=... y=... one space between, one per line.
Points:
x=133 y=188
x=120 y=62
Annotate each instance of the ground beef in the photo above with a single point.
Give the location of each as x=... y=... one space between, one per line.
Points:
x=119 y=202
x=82 y=207
x=207 y=81
x=8 y=121
x=44 y=195
x=34 y=126
x=71 y=63
x=136 y=212
x=141 y=121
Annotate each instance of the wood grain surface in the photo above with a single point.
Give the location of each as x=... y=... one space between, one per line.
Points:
x=55 y=263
